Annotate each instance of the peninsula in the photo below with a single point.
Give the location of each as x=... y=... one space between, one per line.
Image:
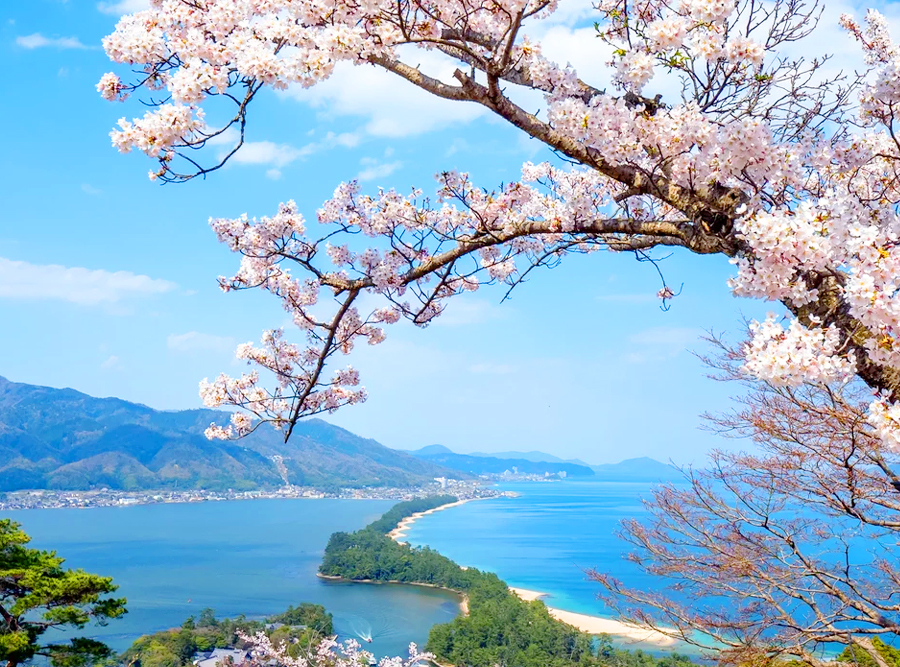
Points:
x=499 y=625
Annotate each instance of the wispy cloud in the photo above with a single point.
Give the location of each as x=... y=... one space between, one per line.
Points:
x=377 y=169
x=463 y=311
x=659 y=343
x=123 y=6
x=268 y=152
x=277 y=155
x=667 y=336
x=112 y=363
x=88 y=287
x=89 y=189
x=194 y=341
x=38 y=41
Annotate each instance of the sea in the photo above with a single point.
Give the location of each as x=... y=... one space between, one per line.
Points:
x=545 y=539
x=256 y=557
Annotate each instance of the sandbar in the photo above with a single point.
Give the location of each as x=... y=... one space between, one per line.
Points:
x=597 y=625
x=404 y=525
x=594 y=625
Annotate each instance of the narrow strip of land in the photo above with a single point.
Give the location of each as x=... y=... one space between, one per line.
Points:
x=587 y=623
x=403 y=527
x=597 y=625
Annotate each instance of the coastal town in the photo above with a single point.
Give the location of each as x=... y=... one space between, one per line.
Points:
x=53 y=499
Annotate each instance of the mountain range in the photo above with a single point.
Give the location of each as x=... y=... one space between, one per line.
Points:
x=643 y=469
x=64 y=439
x=495 y=465
x=533 y=455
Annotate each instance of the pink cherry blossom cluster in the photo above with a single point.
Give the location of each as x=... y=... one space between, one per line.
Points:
x=328 y=653
x=111 y=88
x=884 y=417
x=673 y=34
x=786 y=244
x=788 y=357
x=300 y=390
x=159 y=130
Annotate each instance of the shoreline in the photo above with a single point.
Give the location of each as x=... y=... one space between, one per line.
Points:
x=596 y=625
x=405 y=524
x=463 y=598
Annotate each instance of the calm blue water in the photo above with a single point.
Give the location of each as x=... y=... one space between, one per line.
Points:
x=544 y=539
x=245 y=557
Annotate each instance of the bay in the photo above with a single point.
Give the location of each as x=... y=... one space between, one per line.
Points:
x=238 y=557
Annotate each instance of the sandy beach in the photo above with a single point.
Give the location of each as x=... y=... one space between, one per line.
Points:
x=403 y=526
x=596 y=625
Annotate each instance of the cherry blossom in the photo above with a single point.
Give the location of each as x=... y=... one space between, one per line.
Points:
x=787 y=171
x=328 y=653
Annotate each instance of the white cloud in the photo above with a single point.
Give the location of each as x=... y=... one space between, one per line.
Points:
x=376 y=170
x=268 y=152
x=463 y=311
x=89 y=189
x=113 y=363
x=38 y=41
x=275 y=154
x=22 y=280
x=123 y=6
x=392 y=106
x=194 y=341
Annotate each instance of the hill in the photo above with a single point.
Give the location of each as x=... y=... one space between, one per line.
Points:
x=431 y=450
x=64 y=439
x=643 y=469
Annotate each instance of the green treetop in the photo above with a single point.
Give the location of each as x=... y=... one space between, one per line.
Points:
x=38 y=594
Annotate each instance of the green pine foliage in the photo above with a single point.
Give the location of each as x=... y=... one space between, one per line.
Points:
x=857 y=656
x=38 y=594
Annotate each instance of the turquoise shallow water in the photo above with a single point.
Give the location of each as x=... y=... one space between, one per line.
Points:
x=545 y=539
x=251 y=557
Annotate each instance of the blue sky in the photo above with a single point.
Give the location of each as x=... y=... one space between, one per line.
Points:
x=108 y=281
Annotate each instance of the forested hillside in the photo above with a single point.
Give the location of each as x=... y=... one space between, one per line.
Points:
x=64 y=439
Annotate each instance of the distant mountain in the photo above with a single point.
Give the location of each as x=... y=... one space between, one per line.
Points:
x=527 y=456
x=63 y=439
x=431 y=450
x=642 y=469
x=487 y=465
